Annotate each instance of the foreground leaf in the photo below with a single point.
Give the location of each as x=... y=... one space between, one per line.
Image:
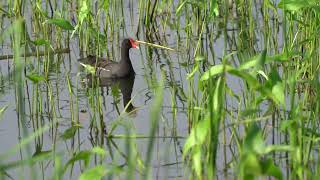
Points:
x=215 y=70
x=70 y=132
x=95 y=173
x=36 y=78
x=40 y=42
x=62 y=23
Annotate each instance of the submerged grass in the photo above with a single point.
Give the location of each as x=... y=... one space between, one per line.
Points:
x=252 y=91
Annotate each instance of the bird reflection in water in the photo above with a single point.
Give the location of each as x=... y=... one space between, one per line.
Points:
x=125 y=84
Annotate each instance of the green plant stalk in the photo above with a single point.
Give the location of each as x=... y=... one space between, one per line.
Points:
x=154 y=115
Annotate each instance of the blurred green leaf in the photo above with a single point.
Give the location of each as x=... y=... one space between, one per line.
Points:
x=62 y=23
x=250 y=63
x=99 y=150
x=89 y=68
x=293 y=5
x=106 y=5
x=270 y=169
x=218 y=69
x=36 y=78
x=85 y=156
x=84 y=12
x=278 y=92
x=215 y=70
x=252 y=156
x=253 y=142
x=82 y=155
x=275 y=86
x=40 y=42
x=279 y=57
x=39 y=153
x=262 y=73
x=261 y=62
x=198 y=134
x=69 y=133
x=28 y=161
x=217 y=96
x=95 y=173
x=278 y=148
x=194 y=70
x=251 y=80
x=287 y=125
x=257 y=62
x=199 y=58
x=250 y=161
x=214 y=11
x=196 y=160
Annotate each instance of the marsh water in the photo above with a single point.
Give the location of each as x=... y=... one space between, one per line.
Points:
x=81 y=116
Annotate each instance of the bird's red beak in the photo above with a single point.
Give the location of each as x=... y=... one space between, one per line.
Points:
x=134 y=44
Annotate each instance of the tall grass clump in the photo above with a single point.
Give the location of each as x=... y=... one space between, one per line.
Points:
x=246 y=74
x=269 y=78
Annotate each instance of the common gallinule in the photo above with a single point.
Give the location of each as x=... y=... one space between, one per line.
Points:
x=110 y=69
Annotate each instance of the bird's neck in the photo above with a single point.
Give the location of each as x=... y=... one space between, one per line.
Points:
x=125 y=54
